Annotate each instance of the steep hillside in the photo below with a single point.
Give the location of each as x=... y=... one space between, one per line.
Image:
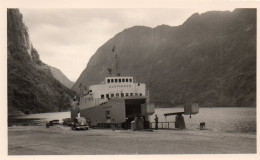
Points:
x=31 y=86
x=61 y=77
x=209 y=59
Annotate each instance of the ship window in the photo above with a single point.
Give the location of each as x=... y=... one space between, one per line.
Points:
x=119 y=80
x=127 y=94
x=131 y=94
x=107 y=96
x=122 y=94
x=102 y=96
x=130 y=80
x=112 y=80
x=112 y=95
x=123 y=80
x=117 y=94
x=136 y=94
x=108 y=80
x=116 y=80
x=126 y=80
x=140 y=94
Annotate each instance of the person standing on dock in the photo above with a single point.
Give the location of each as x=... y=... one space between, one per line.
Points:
x=74 y=109
x=156 y=122
x=179 y=122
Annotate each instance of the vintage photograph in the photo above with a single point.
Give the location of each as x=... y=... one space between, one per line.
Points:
x=131 y=81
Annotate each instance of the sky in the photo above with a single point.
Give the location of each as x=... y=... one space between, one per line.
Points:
x=67 y=38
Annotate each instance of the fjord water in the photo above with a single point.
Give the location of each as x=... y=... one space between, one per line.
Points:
x=226 y=119
x=223 y=119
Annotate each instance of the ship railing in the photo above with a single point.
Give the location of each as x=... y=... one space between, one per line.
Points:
x=109 y=125
x=163 y=125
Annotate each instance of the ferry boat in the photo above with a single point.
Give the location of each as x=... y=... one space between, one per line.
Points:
x=117 y=100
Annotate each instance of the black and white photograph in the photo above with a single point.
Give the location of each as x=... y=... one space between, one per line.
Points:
x=131 y=81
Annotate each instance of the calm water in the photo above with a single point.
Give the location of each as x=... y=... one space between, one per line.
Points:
x=216 y=119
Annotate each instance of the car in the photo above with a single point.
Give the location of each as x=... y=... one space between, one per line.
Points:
x=76 y=126
x=80 y=124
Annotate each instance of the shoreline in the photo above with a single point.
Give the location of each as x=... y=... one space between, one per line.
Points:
x=167 y=107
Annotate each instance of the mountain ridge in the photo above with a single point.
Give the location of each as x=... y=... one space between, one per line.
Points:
x=61 y=77
x=209 y=59
x=31 y=85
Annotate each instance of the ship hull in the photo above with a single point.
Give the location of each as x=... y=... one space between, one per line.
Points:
x=118 y=111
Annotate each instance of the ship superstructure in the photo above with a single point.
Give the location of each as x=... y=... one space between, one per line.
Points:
x=114 y=87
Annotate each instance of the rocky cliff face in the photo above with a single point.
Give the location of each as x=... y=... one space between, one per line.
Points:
x=61 y=77
x=31 y=85
x=209 y=59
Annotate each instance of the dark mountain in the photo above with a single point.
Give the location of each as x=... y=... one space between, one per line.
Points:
x=209 y=59
x=31 y=85
x=61 y=77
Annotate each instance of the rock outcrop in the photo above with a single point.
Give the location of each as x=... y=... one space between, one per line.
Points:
x=31 y=85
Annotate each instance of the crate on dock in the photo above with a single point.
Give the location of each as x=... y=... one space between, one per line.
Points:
x=190 y=109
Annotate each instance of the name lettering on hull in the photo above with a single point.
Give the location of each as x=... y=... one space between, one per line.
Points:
x=119 y=86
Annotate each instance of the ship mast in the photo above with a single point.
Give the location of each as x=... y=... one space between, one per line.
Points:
x=116 y=62
x=117 y=66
